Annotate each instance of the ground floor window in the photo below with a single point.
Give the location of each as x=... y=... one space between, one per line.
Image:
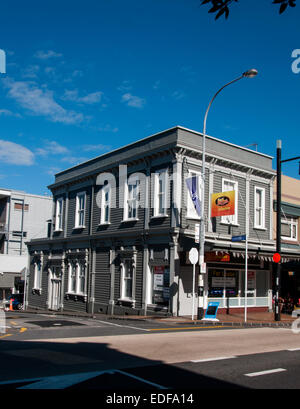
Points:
x=160 y=285
x=77 y=278
x=127 y=279
x=228 y=287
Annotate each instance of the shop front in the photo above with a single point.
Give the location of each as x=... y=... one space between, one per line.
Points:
x=226 y=281
x=227 y=286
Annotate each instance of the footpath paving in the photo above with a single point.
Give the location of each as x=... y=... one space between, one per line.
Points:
x=257 y=319
x=254 y=319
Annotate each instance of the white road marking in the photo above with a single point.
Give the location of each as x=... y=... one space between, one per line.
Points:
x=293 y=349
x=267 y=372
x=218 y=358
x=123 y=326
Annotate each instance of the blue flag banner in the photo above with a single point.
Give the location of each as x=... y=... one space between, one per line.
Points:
x=192 y=185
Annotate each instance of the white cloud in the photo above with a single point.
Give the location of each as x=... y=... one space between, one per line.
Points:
x=73 y=160
x=96 y=147
x=52 y=148
x=178 y=95
x=30 y=71
x=7 y=112
x=92 y=98
x=133 y=101
x=45 y=55
x=40 y=102
x=15 y=154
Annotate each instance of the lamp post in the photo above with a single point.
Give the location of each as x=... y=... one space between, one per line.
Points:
x=278 y=226
x=248 y=74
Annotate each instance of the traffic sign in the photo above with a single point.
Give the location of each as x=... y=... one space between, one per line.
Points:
x=276 y=257
x=238 y=238
x=193 y=256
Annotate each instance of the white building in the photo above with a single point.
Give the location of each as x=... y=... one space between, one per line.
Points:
x=23 y=217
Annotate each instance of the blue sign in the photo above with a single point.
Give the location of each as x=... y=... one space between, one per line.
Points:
x=211 y=311
x=238 y=238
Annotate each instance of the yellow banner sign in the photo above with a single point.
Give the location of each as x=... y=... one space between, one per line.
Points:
x=223 y=204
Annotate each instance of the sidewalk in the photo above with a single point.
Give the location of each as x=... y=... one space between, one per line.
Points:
x=254 y=319
x=233 y=319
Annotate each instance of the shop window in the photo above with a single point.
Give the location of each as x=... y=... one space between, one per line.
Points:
x=160 y=285
x=223 y=283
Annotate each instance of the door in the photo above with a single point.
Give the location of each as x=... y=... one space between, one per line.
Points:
x=186 y=291
x=55 y=289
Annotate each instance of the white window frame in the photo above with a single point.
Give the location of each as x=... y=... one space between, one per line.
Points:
x=191 y=212
x=79 y=211
x=77 y=272
x=37 y=275
x=261 y=208
x=160 y=175
x=291 y=221
x=232 y=219
x=59 y=214
x=105 y=204
x=134 y=201
x=124 y=280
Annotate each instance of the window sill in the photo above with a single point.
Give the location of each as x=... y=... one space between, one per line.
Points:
x=104 y=224
x=36 y=291
x=259 y=228
x=130 y=220
x=193 y=218
x=159 y=216
x=75 y=296
x=127 y=302
x=78 y=227
x=57 y=230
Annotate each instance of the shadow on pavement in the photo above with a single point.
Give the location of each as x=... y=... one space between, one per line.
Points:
x=65 y=365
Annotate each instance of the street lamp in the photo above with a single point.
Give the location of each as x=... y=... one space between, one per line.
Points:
x=247 y=74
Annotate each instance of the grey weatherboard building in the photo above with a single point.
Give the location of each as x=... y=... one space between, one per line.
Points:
x=119 y=242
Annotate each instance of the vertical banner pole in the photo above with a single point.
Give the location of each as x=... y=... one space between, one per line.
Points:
x=194 y=268
x=246 y=277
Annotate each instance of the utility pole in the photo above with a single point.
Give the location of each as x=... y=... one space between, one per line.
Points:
x=278 y=228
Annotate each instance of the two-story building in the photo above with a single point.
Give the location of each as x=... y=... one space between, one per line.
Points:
x=290 y=238
x=23 y=216
x=124 y=222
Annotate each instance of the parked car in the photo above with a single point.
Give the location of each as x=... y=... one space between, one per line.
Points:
x=17 y=302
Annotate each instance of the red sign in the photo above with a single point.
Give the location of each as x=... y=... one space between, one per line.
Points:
x=159 y=270
x=276 y=257
x=212 y=256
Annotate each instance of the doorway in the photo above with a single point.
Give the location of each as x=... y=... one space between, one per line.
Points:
x=55 y=289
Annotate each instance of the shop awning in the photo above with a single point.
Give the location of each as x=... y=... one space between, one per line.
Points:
x=256 y=255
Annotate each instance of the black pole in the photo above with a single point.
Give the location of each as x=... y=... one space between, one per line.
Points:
x=278 y=232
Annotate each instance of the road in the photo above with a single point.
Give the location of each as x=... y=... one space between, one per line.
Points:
x=57 y=352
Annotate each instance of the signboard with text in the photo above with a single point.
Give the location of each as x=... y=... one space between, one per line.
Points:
x=223 y=204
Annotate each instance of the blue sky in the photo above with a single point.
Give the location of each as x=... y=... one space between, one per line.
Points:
x=83 y=78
